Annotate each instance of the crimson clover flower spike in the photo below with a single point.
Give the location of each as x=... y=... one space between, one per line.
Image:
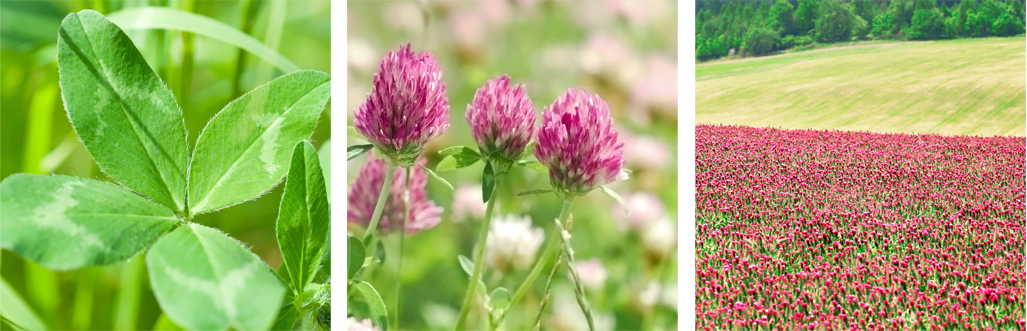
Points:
x=407 y=106
x=578 y=143
x=363 y=196
x=502 y=119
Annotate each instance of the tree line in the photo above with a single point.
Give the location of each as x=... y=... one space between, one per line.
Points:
x=749 y=28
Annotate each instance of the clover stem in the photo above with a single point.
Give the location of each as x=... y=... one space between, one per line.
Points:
x=546 y=294
x=402 y=235
x=377 y=215
x=479 y=257
x=547 y=255
x=579 y=289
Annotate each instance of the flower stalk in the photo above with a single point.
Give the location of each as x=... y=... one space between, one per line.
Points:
x=384 y=195
x=402 y=236
x=547 y=255
x=545 y=297
x=579 y=289
x=479 y=255
x=558 y=245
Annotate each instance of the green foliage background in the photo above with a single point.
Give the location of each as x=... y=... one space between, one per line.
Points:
x=802 y=24
x=204 y=75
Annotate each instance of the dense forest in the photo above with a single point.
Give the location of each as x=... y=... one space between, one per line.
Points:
x=750 y=28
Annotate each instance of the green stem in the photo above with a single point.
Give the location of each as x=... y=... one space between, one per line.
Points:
x=579 y=289
x=272 y=37
x=389 y=173
x=126 y=315
x=546 y=295
x=82 y=311
x=547 y=255
x=402 y=235
x=187 y=59
x=100 y=6
x=297 y=302
x=249 y=10
x=479 y=258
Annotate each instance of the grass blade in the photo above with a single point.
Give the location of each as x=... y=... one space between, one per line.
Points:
x=174 y=19
x=16 y=310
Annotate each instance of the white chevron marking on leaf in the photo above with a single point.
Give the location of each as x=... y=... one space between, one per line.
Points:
x=53 y=216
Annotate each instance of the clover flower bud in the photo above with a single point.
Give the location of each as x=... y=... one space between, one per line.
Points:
x=407 y=106
x=579 y=144
x=502 y=119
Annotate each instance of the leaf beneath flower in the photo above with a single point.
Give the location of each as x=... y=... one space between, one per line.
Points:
x=355 y=258
x=357 y=150
x=533 y=192
x=459 y=160
x=488 y=182
x=436 y=177
x=534 y=165
x=458 y=150
x=617 y=197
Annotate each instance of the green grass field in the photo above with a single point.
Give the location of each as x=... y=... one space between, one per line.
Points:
x=954 y=87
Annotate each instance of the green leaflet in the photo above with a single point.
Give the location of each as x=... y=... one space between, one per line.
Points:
x=466 y=265
x=125 y=116
x=357 y=150
x=205 y=280
x=355 y=256
x=325 y=155
x=65 y=222
x=302 y=225
x=286 y=318
x=374 y=301
x=326 y=257
x=499 y=299
x=488 y=182
x=457 y=157
x=617 y=197
x=244 y=150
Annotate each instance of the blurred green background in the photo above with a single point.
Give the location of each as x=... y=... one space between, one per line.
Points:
x=203 y=73
x=625 y=51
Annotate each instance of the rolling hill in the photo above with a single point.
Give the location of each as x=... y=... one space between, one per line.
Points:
x=952 y=87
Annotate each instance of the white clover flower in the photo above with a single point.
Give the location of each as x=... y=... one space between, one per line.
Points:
x=644 y=209
x=467 y=204
x=649 y=295
x=512 y=243
x=670 y=295
x=592 y=273
x=660 y=238
x=353 y=324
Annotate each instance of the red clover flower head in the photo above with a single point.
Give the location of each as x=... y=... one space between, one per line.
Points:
x=502 y=119
x=363 y=196
x=579 y=144
x=407 y=105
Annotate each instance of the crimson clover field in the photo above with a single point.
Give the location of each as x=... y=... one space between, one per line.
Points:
x=856 y=230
